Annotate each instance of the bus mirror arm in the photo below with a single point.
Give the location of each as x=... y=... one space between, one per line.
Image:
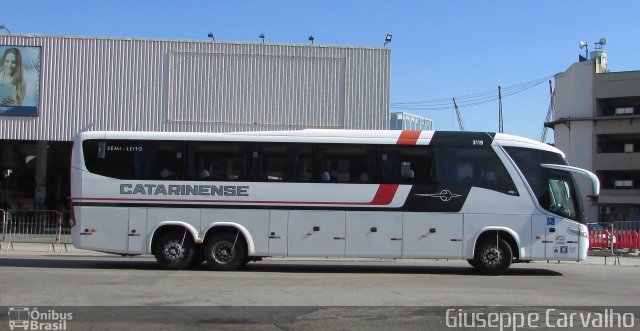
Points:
x=592 y=177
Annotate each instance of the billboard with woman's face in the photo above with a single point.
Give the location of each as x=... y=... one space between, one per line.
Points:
x=19 y=81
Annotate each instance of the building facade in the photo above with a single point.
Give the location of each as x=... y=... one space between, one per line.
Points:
x=598 y=126
x=74 y=84
x=406 y=121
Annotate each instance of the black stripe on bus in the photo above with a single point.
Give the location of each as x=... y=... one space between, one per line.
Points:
x=462 y=139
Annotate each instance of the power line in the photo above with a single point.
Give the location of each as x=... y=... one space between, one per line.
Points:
x=469 y=100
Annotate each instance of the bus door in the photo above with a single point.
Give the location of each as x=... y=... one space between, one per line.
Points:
x=562 y=234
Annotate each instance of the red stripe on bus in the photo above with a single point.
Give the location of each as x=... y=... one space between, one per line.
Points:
x=408 y=137
x=385 y=194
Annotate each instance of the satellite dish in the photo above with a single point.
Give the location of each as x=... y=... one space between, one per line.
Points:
x=582 y=44
x=603 y=41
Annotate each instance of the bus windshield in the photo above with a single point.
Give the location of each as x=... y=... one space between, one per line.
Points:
x=555 y=190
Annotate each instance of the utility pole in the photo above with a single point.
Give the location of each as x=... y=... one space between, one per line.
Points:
x=500 y=120
x=460 y=124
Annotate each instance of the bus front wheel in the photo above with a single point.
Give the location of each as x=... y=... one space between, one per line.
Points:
x=493 y=256
x=175 y=250
x=225 y=251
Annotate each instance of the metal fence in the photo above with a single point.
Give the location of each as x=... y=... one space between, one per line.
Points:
x=626 y=237
x=617 y=238
x=36 y=226
x=2 y=225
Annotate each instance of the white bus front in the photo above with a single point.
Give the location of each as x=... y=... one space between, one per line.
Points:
x=559 y=229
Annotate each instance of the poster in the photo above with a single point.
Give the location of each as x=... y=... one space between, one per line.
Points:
x=19 y=80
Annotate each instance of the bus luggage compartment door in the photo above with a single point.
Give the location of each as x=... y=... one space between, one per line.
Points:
x=316 y=233
x=374 y=234
x=432 y=235
x=104 y=229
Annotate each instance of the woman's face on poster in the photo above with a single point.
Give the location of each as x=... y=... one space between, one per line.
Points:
x=9 y=63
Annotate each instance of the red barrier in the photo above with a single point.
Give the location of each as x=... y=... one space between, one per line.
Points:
x=626 y=235
x=599 y=239
x=627 y=239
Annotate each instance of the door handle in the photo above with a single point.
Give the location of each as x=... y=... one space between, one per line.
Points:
x=432 y=230
x=552 y=230
x=374 y=229
x=316 y=228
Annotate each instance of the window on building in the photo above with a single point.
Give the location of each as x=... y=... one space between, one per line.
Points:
x=620 y=111
x=623 y=184
x=628 y=148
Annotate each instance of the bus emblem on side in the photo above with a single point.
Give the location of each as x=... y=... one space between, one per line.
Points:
x=444 y=195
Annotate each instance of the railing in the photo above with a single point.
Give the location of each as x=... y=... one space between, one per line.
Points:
x=618 y=238
x=36 y=226
x=626 y=237
x=3 y=227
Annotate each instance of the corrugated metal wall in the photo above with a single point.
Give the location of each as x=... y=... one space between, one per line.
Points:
x=165 y=85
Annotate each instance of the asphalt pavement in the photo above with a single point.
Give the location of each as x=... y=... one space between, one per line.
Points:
x=61 y=250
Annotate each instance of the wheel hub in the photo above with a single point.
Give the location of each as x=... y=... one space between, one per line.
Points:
x=223 y=252
x=492 y=257
x=173 y=251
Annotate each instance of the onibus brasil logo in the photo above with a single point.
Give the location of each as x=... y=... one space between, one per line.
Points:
x=23 y=318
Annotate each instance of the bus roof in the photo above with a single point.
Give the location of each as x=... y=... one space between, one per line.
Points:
x=328 y=136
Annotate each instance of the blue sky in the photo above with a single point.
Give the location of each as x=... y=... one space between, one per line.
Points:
x=440 y=49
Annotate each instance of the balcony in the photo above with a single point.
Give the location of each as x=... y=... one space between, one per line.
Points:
x=616 y=161
x=608 y=196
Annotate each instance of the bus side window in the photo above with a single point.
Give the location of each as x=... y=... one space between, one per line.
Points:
x=281 y=162
x=344 y=163
x=217 y=161
x=169 y=159
x=408 y=165
x=477 y=167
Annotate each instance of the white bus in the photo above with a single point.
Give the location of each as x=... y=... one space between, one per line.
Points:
x=232 y=198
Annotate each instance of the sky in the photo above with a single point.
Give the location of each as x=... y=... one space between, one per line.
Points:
x=440 y=49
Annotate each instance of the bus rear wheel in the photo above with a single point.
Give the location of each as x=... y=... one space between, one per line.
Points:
x=175 y=250
x=225 y=251
x=493 y=256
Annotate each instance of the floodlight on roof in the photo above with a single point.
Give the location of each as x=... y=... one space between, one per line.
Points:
x=387 y=39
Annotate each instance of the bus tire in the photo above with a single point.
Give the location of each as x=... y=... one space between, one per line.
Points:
x=225 y=251
x=472 y=262
x=491 y=259
x=174 y=250
x=198 y=258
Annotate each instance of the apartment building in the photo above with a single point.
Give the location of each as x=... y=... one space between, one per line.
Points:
x=597 y=124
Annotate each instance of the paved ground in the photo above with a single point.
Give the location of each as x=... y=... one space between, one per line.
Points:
x=31 y=249
x=299 y=294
